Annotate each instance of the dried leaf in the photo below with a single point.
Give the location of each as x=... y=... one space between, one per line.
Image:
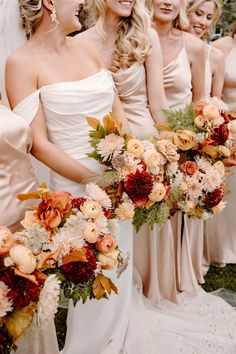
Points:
x=75 y=256
x=29 y=277
x=109 y=122
x=32 y=195
x=113 y=287
x=98 y=289
x=211 y=150
x=105 y=283
x=93 y=122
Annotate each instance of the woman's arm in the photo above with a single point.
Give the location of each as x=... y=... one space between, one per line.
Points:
x=21 y=81
x=196 y=55
x=218 y=65
x=155 y=85
x=119 y=113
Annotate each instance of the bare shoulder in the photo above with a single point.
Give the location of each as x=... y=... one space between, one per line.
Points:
x=193 y=44
x=222 y=44
x=86 y=42
x=153 y=35
x=216 y=55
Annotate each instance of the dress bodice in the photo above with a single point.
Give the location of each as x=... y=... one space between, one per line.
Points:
x=66 y=106
x=229 y=90
x=178 y=80
x=132 y=89
x=16 y=173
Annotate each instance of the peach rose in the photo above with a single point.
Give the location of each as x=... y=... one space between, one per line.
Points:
x=219 y=207
x=167 y=135
x=189 y=167
x=106 y=244
x=30 y=218
x=61 y=200
x=210 y=112
x=152 y=158
x=167 y=149
x=184 y=139
x=135 y=147
x=158 y=192
x=49 y=213
x=91 y=232
x=224 y=151
x=23 y=258
x=125 y=211
x=91 y=209
x=109 y=260
x=220 y=167
x=6 y=240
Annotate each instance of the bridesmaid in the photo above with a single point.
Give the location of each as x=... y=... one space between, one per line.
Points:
x=221 y=231
x=203 y=15
x=137 y=71
x=184 y=80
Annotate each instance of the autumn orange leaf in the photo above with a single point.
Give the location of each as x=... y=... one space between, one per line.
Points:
x=93 y=122
x=75 y=256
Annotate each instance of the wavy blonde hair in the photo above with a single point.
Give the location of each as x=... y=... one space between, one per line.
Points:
x=181 y=21
x=232 y=29
x=31 y=12
x=132 y=44
x=193 y=5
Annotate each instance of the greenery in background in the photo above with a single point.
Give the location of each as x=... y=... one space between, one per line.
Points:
x=227 y=17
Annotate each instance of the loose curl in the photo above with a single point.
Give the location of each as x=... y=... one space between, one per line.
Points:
x=193 y=5
x=232 y=29
x=31 y=12
x=181 y=21
x=132 y=44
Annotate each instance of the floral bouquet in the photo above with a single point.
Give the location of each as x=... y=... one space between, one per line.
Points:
x=74 y=238
x=141 y=176
x=26 y=293
x=204 y=128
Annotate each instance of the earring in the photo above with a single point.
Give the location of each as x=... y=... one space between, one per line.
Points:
x=54 y=16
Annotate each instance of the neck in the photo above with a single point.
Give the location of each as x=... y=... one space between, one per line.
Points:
x=110 y=23
x=164 y=29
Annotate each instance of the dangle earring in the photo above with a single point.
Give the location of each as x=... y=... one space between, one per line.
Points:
x=54 y=16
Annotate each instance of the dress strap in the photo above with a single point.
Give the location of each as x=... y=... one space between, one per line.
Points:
x=28 y=107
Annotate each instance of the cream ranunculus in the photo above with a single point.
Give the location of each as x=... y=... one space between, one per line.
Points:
x=200 y=122
x=108 y=261
x=210 y=112
x=168 y=150
x=125 y=211
x=30 y=218
x=184 y=139
x=220 y=167
x=91 y=232
x=135 y=147
x=152 y=158
x=23 y=258
x=158 y=192
x=91 y=209
x=224 y=151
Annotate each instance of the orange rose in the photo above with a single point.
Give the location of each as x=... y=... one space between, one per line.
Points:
x=106 y=244
x=189 y=167
x=61 y=200
x=50 y=213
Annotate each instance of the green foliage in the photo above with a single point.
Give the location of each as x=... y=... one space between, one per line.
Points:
x=107 y=179
x=94 y=138
x=181 y=119
x=78 y=292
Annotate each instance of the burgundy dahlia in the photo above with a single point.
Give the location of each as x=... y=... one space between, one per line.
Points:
x=77 y=202
x=221 y=134
x=22 y=291
x=212 y=199
x=138 y=186
x=80 y=272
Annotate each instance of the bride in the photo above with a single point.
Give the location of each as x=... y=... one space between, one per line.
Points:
x=55 y=82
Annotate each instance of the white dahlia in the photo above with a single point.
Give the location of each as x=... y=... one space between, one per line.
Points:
x=48 y=300
x=97 y=194
x=5 y=302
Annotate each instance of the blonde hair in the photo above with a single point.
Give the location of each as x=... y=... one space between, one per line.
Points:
x=181 y=21
x=193 y=5
x=132 y=44
x=232 y=29
x=31 y=12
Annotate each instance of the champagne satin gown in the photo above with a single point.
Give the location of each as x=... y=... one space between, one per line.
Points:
x=220 y=233
x=17 y=176
x=96 y=326
x=178 y=89
x=153 y=249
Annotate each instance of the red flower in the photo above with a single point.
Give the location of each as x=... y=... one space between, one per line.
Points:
x=80 y=272
x=138 y=186
x=77 y=202
x=213 y=198
x=227 y=117
x=168 y=191
x=220 y=135
x=107 y=213
x=22 y=291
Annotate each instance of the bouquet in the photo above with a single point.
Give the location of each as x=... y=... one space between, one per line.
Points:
x=74 y=238
x=204 y=128
x=142 y=176
x=26 y=293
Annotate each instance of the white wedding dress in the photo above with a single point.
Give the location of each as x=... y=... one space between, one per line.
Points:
x=127 y=323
